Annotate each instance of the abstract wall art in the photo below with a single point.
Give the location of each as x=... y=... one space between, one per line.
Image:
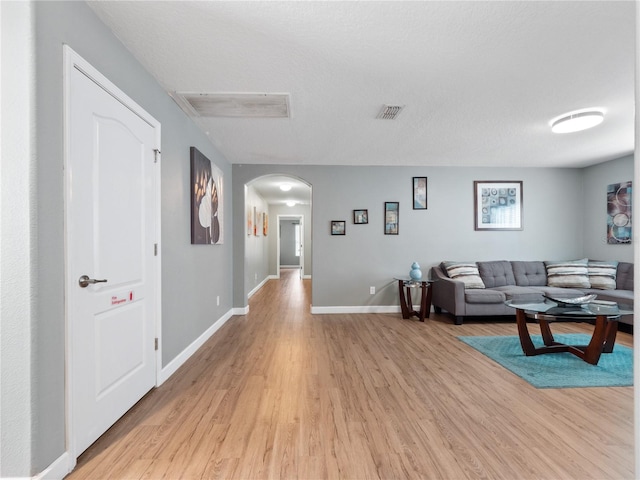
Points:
x=498 y=205
x=619 y=224
x=206 y=200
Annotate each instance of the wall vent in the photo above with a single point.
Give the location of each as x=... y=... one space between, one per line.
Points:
x=252 y=105
x=390 y=112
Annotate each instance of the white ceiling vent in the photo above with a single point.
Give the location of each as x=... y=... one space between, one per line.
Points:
x=390 y=112
x=254 y=105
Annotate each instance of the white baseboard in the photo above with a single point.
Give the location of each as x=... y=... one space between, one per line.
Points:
x=358 y=309
x=58 y=469
x=258 y=287
x=177 y=362
x=241 y=310
x=306 y=277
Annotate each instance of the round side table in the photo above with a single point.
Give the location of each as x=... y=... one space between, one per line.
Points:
x=406 y=304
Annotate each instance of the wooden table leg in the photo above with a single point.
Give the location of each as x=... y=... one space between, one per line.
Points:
x=612 y=330
x=410 y=310
x=403 y=300
x=547 y=336
x=423 y=302
x=427 y=305
x=523 y=332
x=592 y=353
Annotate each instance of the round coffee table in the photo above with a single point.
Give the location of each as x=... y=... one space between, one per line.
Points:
x=604 y=315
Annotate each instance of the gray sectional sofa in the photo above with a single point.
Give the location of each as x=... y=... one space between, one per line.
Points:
x=523 y=281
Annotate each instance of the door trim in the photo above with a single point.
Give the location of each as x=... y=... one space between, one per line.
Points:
x=293 y=216
x=71 y=61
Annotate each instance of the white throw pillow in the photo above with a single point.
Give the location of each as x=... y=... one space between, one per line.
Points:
x=602 y=275
x=466 y=272
x=568 y=274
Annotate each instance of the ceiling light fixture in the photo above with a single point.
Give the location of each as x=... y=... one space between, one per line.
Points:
x=577 y=120
x=285 y=187
x=290 y=203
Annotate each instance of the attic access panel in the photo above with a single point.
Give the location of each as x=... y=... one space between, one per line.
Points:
x=251 y=105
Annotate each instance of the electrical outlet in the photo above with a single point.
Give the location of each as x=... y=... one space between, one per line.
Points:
x=218 y=300
x=372 y=290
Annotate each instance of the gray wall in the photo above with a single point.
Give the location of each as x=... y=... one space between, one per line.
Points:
x=596 y=179
x=256 y=260
x=344 y=267
x=192 y=276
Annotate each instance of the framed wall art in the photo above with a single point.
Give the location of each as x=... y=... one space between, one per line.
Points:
x=498 y=205
x=206 y=200
x=249 y=220
x=619 y=228
x=338 y=227
x=360 y=216
x=419 y=193
x=391 y=218
x=255 y=222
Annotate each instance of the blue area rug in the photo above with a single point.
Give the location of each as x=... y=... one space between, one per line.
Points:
x=558 y=370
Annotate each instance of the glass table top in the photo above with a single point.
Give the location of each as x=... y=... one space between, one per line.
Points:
x=409 y=280
x=590 y=309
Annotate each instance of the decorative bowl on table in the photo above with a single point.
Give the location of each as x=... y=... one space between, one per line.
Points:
x=572 y=302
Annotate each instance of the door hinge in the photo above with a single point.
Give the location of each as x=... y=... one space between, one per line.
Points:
x=156 y=344
x=156 y=152
x=155 y=249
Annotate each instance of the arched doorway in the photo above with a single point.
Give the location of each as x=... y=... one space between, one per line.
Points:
x=270 y=202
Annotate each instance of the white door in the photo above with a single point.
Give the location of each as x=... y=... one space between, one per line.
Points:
x=111 y=227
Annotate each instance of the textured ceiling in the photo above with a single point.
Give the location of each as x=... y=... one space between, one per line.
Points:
x=269 y=188
x=480 y=80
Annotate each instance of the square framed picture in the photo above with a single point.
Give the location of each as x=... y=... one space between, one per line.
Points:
x=419 y=193
x=360 y=216
x=498 y=205
x=338 y=227
x=391 y=218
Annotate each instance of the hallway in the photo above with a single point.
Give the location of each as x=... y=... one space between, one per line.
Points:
x=280 y=393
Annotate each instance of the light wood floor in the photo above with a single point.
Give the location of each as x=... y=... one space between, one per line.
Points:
x=280 y=393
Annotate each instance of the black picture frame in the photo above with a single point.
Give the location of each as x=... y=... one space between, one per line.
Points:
x=361 y=216
x=338 y=227
x=419 y=193
x=391 y=218
x=497 y=205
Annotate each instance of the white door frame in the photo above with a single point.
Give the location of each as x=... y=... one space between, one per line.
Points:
x=301 y=218
x=73 y=61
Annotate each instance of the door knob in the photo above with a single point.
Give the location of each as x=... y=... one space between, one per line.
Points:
x=84 y=281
